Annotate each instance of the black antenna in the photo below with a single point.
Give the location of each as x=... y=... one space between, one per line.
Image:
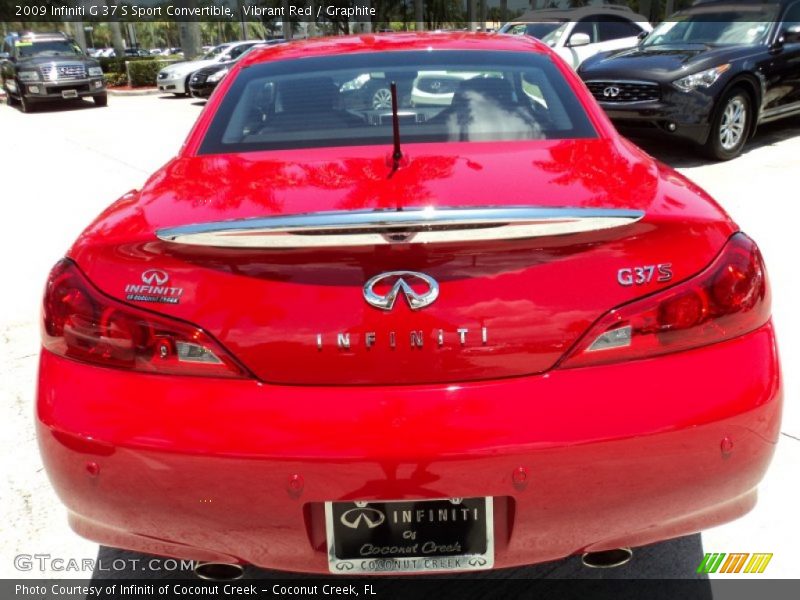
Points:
x=397 y=154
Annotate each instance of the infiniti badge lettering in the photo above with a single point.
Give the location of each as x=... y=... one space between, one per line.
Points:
x=415 y=339
x=425 y=291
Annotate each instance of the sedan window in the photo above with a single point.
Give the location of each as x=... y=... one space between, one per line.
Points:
x=551 y=39
x=444 y=96
x=215 y=52
x=615 y=28
x=792 y=16
x=539 y=30
x=723 y=28
x=239 y=50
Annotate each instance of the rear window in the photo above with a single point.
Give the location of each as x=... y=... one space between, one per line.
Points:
x=443 y=96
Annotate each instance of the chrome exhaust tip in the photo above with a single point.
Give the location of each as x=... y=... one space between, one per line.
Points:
x=213 y=571
x=607 y=559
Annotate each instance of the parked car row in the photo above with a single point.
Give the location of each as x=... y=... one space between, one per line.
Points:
x=203 y=81
x=579 y=33
x=111 y=53
x=709 y=74
x=175 y=78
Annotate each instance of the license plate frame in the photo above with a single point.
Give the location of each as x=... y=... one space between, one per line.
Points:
x=463 y=541
x=69 y=94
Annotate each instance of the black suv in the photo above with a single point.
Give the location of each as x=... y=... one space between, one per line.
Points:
x=709 y=74
x=36 y=67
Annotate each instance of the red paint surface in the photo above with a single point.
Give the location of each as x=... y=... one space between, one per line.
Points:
x=213 y=469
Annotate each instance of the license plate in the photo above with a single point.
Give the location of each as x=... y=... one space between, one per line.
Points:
x=69 y=93
x=410 y=536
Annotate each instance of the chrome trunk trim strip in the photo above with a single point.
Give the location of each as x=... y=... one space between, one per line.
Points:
x=428 y=225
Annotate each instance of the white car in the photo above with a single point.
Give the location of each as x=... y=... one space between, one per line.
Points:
x=576 y=34
x=174 y=79
x=429 y=88
x=436 y=88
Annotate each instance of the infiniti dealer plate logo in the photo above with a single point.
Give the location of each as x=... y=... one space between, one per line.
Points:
x=362 y=515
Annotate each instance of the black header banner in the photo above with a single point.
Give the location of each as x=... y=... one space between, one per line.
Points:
x=382 y=14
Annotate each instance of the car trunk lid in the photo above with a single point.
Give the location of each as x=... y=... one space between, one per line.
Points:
x=308 y=310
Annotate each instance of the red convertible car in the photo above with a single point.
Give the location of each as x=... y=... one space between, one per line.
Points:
x=333 y=338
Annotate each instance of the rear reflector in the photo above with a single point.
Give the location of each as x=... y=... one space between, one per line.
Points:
x=729 y=298
x=82 y=323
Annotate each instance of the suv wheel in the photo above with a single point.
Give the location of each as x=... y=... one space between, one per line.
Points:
x=101 y=100
x=25 y=105
x=10 y=100
x=730 y=126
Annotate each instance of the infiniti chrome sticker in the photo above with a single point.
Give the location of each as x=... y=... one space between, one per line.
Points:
x=153 y=288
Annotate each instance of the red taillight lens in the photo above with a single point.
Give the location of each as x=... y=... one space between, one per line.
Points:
x=727 y=299
x=82 y=323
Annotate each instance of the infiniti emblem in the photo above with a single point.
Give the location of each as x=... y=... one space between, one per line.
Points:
x=402 y=281
x=155 y=277
x=611 y=91
x=354 y=517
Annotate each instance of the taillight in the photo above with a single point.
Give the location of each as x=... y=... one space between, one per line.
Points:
x=729 y=298
x=82 y=323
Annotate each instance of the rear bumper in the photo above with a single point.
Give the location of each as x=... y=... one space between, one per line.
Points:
x=239 y=471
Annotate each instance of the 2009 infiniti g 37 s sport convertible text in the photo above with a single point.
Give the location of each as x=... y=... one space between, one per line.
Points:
x=329 y=337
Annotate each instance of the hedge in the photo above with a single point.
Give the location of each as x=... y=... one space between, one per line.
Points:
x=117 y=65
x=143 y=73
x=136 y=71
x=115 y=79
